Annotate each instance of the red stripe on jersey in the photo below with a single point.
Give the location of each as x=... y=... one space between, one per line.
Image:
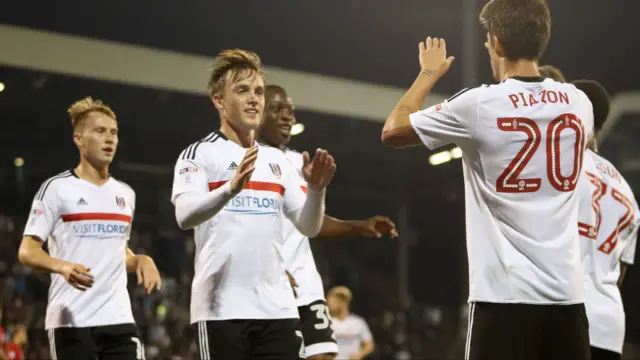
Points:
x=253 y=185
x=304 y=189
x=96 y=216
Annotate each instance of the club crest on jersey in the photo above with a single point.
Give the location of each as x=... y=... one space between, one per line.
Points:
x=275 y=169
x=188 y=170
x=120 y=201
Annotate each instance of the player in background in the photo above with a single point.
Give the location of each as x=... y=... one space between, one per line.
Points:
x=14 y=350
x=85 y=215
x=235 y=194
x=275 y=131
x=609 y=220
x=549 y=71
x=355 y=341
x=523 y=143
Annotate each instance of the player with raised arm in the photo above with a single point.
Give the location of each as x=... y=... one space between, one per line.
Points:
x=235 y=194
x=275 y=130
x=523 y=143
x=85 y=215
x=608 y=220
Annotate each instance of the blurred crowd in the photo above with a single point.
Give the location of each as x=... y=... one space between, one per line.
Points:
x=402 y=330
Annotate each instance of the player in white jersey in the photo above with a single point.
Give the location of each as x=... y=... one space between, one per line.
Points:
x=235 y=193
x=523 y=143
x=85 y=216
x=355 y=341
x=608 y=220
x=275 y=130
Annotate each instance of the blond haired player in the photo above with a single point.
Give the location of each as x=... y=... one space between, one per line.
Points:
x=354 y=338
x=523 y=142
x=85 y=214
x=235 y=194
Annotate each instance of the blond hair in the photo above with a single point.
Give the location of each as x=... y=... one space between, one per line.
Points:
x=239 y=64
x=81 y=109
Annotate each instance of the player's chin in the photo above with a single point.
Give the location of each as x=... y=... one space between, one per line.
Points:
x=251 y=121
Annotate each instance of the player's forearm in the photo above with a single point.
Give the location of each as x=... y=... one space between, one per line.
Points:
x=193 y=209
x=332 y=227
x=32 y=255
x=367 y=349
x=131 y=260
x=308 y=220
x=623 y=272
x=411 y=102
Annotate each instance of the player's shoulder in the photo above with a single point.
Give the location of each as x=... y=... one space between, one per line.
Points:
x=52 y=183
x=357 y=318
x=204 y=146
x=123 y=186
x=468 y=95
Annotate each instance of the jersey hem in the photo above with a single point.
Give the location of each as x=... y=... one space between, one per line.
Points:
x=90 y=325
x=527 y=302
x=197 y=320
x=608 y=348
x=309 y=302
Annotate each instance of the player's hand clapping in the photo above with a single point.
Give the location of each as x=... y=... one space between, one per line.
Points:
x=433 y=57
x=319 y=172
x=245 y=170
x=148 y=274
x=77 y=275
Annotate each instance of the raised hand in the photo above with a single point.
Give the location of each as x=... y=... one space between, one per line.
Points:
x=245 y=170
x=433 y=57
x=77 y=275
x=319 y=172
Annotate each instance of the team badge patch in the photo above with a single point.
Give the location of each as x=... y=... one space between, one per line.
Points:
x=120 y=201
x=275 y=169
x=188 y=170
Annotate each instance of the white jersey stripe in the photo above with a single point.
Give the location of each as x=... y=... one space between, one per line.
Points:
x=52 y=344
x=467 y=350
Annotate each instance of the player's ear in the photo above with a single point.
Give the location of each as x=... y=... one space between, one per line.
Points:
x=77 y=139
x=217 y=100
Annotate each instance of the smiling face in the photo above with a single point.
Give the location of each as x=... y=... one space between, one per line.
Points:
x=241 y=102
x=279 y=117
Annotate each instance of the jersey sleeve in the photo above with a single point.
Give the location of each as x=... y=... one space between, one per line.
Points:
x=447 y=122
x=365 y=332
x=190 y=173
x=295 y=188
x=44 y=213
x=629 y=252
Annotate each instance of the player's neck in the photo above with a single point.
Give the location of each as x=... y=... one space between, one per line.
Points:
x=244 y=139
x=520 y=68
x=271 y=143
x=341 y=315
x=94 y=174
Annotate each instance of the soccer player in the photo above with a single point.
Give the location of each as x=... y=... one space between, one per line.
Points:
x=523 y=143
x=552 y=72
x=85 y=215
x=275 y=130
x=355 y=341
x=609 y=220
x=235 y=192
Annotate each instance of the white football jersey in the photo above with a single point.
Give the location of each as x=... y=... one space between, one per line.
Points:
x=297 y=250
x=350 y=333
x=523 y=142
x=609 y=220
x=239 y=265
x=89 y=225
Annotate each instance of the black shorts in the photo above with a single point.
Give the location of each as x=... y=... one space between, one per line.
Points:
x=111 y=342
x=527 y=332
x=315 y=322
x=602 y=354
x=250 y=340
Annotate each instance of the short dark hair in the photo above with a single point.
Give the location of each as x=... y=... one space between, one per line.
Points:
x=522 y=26
x=599 y=98
x=552 y=72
